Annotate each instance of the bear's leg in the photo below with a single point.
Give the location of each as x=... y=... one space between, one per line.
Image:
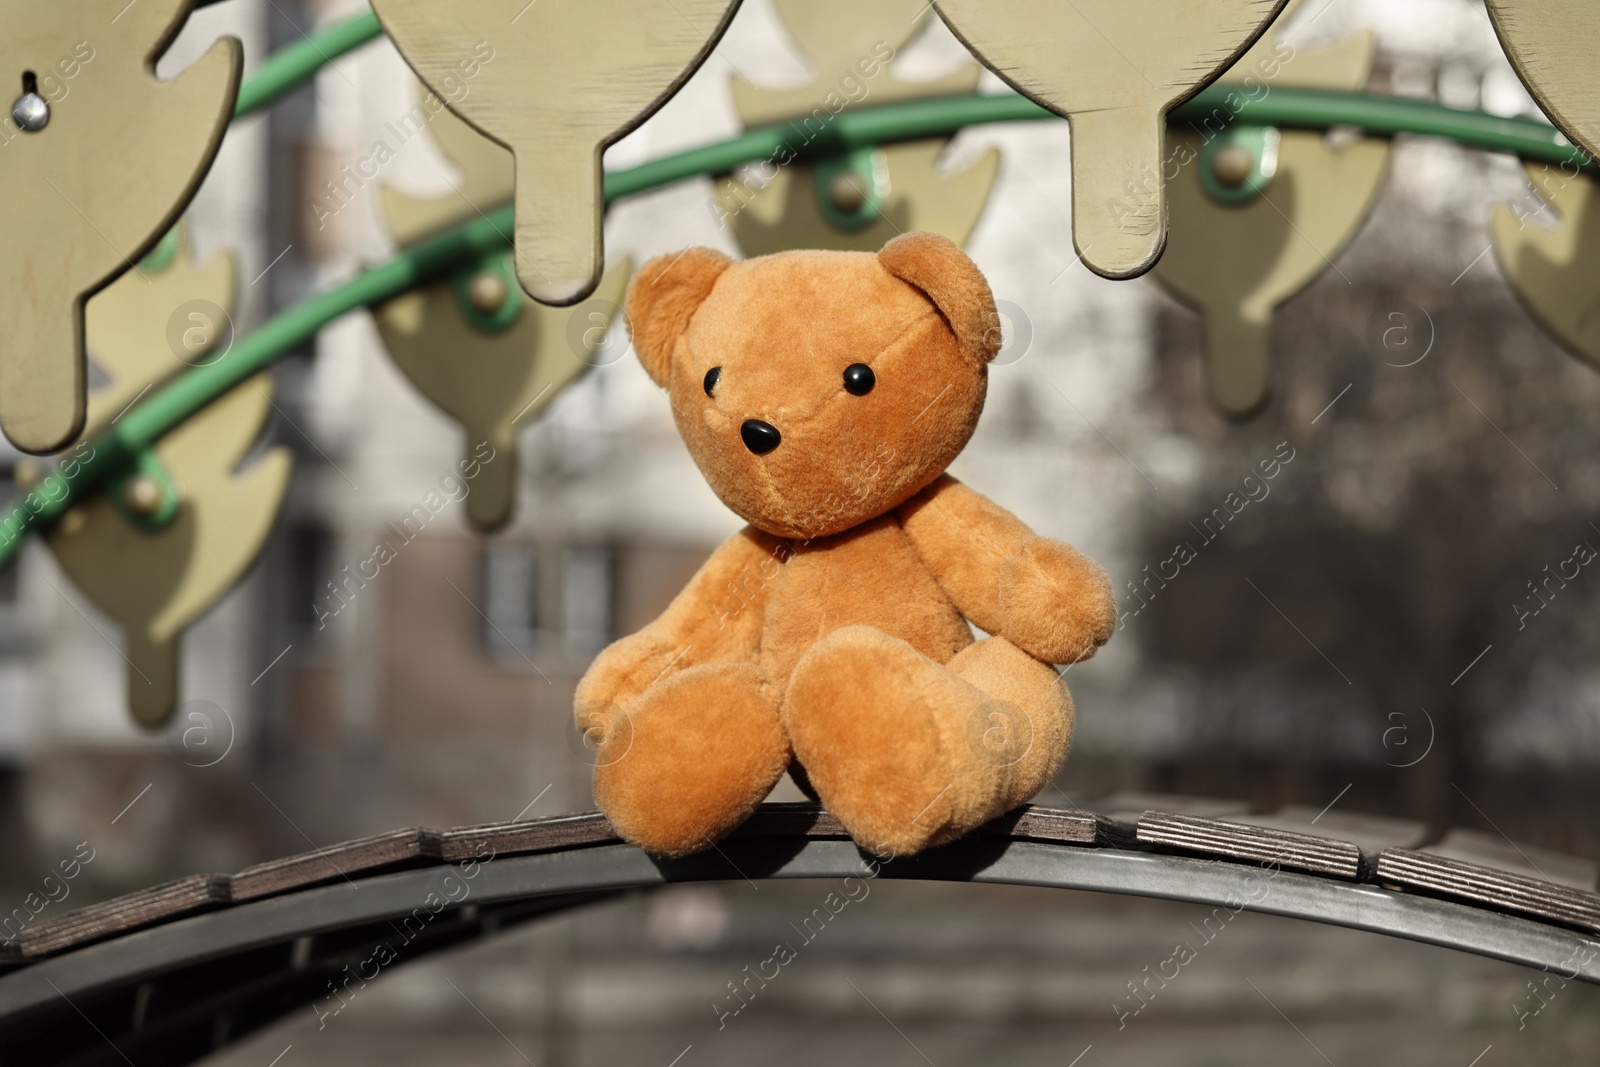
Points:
x=691 y=757
x=909 y=753
x=1024 y=728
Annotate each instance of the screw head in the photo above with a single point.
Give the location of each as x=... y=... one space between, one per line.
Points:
x=143 y=495
x=31 y=112
x=848 y=192
x=487 y=291
x=1233 y=165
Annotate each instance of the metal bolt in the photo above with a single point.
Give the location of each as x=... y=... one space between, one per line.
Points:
x=487 y=291
x=1233 y=165
x=143 y=495
x=31 y=112
x=848 y=192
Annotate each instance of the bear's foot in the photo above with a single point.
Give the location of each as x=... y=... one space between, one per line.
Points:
x=908 y=753
x=690 y=758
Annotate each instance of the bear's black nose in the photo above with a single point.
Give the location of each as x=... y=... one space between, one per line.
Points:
x=760 y=437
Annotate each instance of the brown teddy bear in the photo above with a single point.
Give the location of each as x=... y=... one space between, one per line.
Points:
x=823 y=394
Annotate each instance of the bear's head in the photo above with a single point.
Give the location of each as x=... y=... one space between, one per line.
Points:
x=817 y=390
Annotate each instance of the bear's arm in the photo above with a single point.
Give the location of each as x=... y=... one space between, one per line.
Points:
x=1045 y=597
x=716 y=618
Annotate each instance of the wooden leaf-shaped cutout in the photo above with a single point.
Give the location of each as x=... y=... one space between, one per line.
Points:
x=494 y=382
x=1551 y=45
x=1235 y=263
x=491 y=380
x=156 y=582
x=850 y=46
x=555 y=82
x=1556 y=272
x=1113 y=68
x=87 y=195
x=155 y=323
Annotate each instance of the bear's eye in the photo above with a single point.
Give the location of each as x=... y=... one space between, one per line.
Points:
x=713 y=376
x=859 y=379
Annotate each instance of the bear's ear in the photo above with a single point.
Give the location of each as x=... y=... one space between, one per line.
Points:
x=664 y=296
x=938 y=267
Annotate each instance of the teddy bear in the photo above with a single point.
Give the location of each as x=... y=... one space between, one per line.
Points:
x=823 y=395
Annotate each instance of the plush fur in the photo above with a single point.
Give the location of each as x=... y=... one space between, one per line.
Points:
x=832 y=632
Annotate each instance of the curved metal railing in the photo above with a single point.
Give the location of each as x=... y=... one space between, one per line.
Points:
x=186 y=967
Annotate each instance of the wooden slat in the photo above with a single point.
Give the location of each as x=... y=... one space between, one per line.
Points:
x=146 y=907
x=534 y=835
x=349 y=859
x=1034 y=823
x=1530 y=861
x=1370 y=833
x=1238 y=841
x=1501 y=890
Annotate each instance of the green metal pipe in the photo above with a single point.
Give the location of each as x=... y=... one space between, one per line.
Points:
x=286 y=69
x=1212 y=108
x=820 y=135
x=1384 y=116
x=1380 y=116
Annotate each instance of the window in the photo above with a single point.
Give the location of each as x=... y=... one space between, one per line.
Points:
x=510 y=600
x=568 y=615
x=586 y=600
